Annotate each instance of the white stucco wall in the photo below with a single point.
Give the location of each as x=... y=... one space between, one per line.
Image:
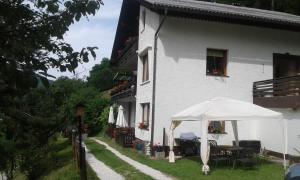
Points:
x=144 y=90
x=271 y=134
x=181 y=71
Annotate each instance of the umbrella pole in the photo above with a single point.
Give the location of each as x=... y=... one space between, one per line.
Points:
x=285 y=144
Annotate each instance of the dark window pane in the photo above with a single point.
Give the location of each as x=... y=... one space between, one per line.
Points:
x=145 y=113
x=145 y=68
x=216 y=62
x=216 y=127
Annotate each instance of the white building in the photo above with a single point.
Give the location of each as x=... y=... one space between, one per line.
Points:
x=184 y=52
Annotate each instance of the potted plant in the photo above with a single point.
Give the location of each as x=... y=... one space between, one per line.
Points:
x=215 y=72
x=143 y=125
x=158 y=150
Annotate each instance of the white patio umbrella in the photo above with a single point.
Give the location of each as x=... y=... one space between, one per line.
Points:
x=121 y=121
x=222 y=109
x=111 y=118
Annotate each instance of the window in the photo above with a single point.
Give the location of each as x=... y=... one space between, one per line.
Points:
x=285 y=65
x=216 y=62
x=216 y=127
x=145 y=68
x=143 y=19
x=145 y=113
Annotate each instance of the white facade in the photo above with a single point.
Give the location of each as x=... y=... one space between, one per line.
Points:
x=181 y=79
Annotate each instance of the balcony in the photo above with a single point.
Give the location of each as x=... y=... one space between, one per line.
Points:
x=125 y=87
x=126 y=58
x=278 y=93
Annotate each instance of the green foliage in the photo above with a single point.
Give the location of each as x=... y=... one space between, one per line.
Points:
x=69 y=92
x=7 y=148
x=94 y=104
x=101 y=76
x=63 y=87
x=104 y=115
x=31 y=38
x=95 y=109
x=60 y=164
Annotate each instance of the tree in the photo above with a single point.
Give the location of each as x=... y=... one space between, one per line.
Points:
x=63 y=88
x=101 y=76
x=94 y=105
x=34 y=131
x=31 y=37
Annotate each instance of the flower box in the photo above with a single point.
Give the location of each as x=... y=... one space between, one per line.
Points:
x=142 y=125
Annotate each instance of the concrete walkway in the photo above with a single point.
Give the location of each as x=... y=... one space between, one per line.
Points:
x=102 y=171
x=155 y=174
x=2 y=176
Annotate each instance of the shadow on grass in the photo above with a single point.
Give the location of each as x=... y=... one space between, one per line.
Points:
x=229 y=165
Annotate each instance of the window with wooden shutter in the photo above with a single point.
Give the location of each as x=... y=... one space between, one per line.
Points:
x=145 y=113
x=145 y=68
x=143 y=19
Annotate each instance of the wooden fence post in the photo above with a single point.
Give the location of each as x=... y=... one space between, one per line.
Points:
x=83 y=170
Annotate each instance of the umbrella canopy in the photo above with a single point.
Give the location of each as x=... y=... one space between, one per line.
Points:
x=121 y=121
x=221 y=109
x=111 y=118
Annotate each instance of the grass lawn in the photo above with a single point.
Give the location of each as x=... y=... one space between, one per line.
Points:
x=63 y=167
x=111 y=160
x=191 y=168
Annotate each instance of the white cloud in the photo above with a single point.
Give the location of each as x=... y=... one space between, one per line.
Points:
x=97 y=31
x=110 y=10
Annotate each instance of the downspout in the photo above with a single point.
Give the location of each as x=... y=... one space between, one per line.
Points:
x=154 y=74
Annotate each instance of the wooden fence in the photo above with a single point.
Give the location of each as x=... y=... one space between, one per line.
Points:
x=286 y=86
x=81 y=166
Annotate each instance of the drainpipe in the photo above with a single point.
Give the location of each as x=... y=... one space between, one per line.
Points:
x=154 y=75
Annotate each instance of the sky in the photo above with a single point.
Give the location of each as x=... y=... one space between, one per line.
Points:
x=98 y=30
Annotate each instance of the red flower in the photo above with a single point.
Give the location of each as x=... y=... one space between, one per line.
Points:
x=142 y=125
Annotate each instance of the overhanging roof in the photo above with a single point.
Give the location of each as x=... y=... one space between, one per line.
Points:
x=227 y=13
x=128 y=22
x=127 y=27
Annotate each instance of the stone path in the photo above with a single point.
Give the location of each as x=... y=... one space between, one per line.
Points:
x=155 y=174
x=102 y=171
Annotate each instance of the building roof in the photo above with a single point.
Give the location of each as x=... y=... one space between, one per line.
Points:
x=228 y=13
x=128 y=21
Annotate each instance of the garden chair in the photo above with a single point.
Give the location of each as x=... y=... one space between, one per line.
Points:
x=247 y=158
x=218 y=154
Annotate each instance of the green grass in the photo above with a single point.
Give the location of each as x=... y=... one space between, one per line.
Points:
x=65 y=168
x=62 y=166
x=190 y=168
x=111 y=160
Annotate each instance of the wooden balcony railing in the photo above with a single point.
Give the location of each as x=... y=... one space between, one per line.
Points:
x=278 y=93
x=131 y=45
x=124 y=89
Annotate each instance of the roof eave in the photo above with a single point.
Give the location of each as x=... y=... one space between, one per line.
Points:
x=223 y=17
